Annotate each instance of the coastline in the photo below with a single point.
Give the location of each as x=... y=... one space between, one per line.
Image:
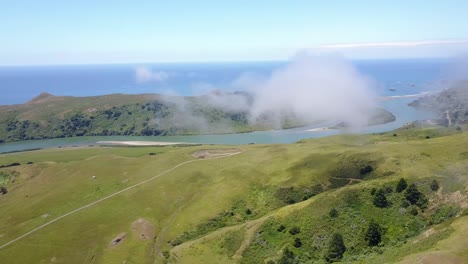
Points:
x=140 y=143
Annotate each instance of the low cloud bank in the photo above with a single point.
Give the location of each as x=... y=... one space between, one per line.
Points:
x=309 y=88
x=316 y=88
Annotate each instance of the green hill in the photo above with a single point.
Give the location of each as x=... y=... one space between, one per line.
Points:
x=261 y=204
x=48 y=116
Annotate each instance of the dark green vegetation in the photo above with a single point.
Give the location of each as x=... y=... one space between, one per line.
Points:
x=309 y=202
x=336 y=248
x=48 y=116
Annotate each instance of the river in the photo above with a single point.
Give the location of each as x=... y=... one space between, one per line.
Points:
x=398 y=106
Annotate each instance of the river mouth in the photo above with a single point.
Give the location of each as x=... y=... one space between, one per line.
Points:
x=398 y=106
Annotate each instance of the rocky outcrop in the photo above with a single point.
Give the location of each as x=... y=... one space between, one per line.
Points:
x=451 y=104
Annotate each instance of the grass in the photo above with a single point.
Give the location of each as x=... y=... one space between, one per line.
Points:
x=193 y=197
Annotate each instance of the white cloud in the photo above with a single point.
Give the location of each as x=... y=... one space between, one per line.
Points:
x=317 y=88
x=144 y=74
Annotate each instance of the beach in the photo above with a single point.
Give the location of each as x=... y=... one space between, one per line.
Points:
x=140 y=143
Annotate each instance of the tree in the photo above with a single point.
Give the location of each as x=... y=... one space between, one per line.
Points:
x=373 y=234
x=434 y=185
x=401 y=186
x=412 y=194
x=3 y=190
x=380 y=200
x=336 y=248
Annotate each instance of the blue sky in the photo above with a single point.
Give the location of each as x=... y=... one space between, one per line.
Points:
x=69 y=32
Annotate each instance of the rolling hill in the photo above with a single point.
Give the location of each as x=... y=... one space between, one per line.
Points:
x=242 y=204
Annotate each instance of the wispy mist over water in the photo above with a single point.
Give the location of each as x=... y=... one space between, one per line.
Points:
x=308 y=88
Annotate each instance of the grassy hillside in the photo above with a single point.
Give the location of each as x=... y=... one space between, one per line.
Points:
x=48 y=116
x=268 y=204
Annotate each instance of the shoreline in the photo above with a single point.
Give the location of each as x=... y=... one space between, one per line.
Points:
x=318 y=129
x=141 y=143
x=392 y=97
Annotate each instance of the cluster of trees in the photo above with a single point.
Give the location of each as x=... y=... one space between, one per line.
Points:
x=292 y=195
x=21 y=130
x=412 y=195
x=336 y=247
x=131 y=119
x=374 y=231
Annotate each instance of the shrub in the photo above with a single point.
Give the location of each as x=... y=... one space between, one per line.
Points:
x=336 y=248
x=297 y=242
x=294 y=230
x=380 y=200
x=365 y=170
x=333 y=213
x=434 y=185
x=404 y=203
x=281 y=228
x=443 y=213
x=3 y=190
x=373 y=190
x=388 y=189
x=413 y=211
x=401 y=186
x=373 y=234
x=422 y=202
x=248 y=212
x=288 y=257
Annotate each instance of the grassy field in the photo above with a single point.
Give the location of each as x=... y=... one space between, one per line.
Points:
x=231 y=209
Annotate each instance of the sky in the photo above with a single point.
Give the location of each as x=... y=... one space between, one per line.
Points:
x=86 y=32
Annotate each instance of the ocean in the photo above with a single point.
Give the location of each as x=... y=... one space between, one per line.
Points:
x=19 y=84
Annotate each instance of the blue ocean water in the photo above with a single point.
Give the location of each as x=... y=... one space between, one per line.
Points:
x=20 y=84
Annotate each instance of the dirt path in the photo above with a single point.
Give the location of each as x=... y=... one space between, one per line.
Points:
x=112 y=195
x=251 y=230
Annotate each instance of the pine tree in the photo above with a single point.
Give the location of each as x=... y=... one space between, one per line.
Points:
x=373 y=234
x=401 y=186
x=380 y=200
x=412 y=194
x=336 y=248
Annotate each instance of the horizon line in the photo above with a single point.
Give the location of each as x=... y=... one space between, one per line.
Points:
x=212 y=62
